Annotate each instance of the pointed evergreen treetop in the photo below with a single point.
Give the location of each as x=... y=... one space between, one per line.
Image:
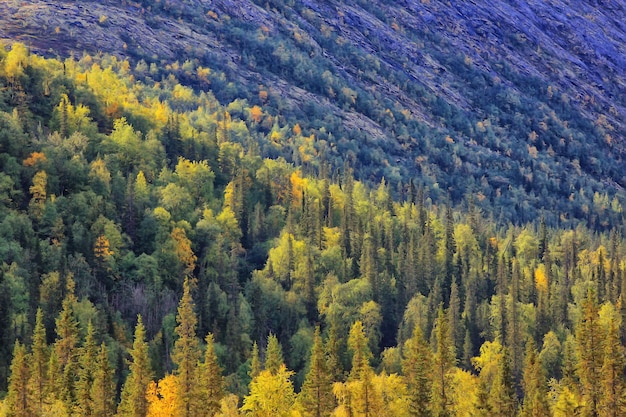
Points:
x=316 y=396
x=134 y=402
x=273 y=354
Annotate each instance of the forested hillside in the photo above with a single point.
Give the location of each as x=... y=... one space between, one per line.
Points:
x=518 y=104
x=159 y=256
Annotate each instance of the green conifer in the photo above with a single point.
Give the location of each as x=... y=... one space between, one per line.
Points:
x=443 y=363
x=211 y=380
x=534 y=384
x=87 y=360
x=612 y=401
x=133 y=402
x=589 y=344
x=273 y=354
x=363 y=398
x=417 y=370
x=38 y=384
x=255 y=362
x=66 y=348
x=18 y=402
x=186 y=355
x=102 y=392
x=502 y=398
x=316 y=395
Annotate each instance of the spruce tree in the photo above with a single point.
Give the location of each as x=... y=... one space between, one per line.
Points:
x=513 y=335
x=612 y=401
x=454 y=319
x=55 y=384
x=589 y=344
x=333 y=352
x=417 y=370
x=543 y=238
x=38 y=383
x=18 y=402
x=87 y=360
x=316 y=396
x=363 y=399
x=102 y=391
x=568 y=369
x=502 y=398
x=368 y=266
x=66 y=348
x=186 y=355
x=310 y=301
x=449 y=249
x=273 y=354
x=483 y=407
x=361 y=354
x=133 y=402
x=534 y=384
x=255 y=362
x=443 y=363
x=211 y=380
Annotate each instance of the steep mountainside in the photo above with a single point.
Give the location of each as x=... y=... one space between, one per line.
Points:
x=521 y=104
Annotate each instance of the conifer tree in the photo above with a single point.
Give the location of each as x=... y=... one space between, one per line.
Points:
x=362 y=398
x=55 y=383
x=368 y=265
x=612 y=401
x=186 y=354
x=255 y=361
x=271 y=395
x=513 y=335
x=468 y=349
x=87 y=360
x=449 y=249
x=66 y=348
x=417 y=371
x=454 y=319
x=569 y=366
x=333 y=352
x=18 y=404
x=472 y=339
x=589 y=344
x=501 y=330
x=316 y=395
x=566 y=404
x=422 y=215
x=543 y=238
x=502 y=397
x=38 y=383
x=621 y=305
x=310 y=301
x=134 y=402
x=534 y=384
x=483 y=407
x=273 y=354
x=443 y=363
x=211 y=380
x=102 y=392
x=361 y=354
x=229 y=406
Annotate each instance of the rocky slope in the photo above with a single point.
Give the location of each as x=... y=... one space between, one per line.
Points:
x=517 y=102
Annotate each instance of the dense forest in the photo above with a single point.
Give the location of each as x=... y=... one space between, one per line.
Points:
x=163 y=253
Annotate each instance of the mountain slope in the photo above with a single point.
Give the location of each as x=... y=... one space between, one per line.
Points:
x=520 y=104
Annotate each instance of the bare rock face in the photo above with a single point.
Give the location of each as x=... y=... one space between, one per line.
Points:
x=579 y=46
x=513 y=86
